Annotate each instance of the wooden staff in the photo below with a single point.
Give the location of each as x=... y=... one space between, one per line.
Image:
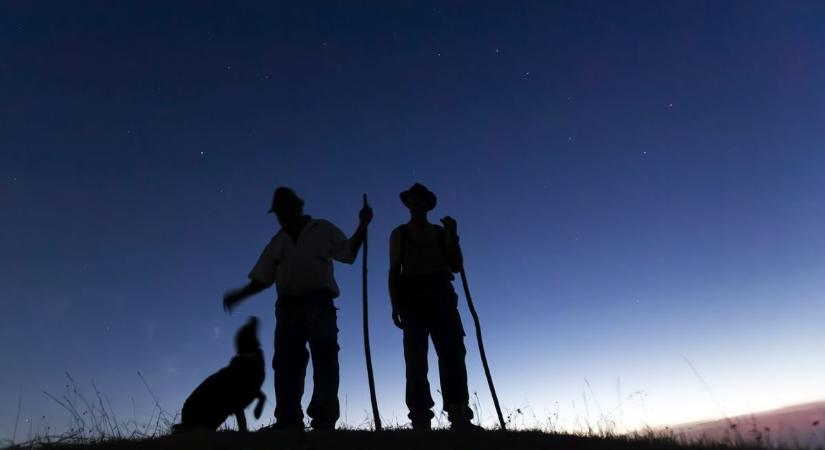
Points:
x=481 y=346
x=376 y=417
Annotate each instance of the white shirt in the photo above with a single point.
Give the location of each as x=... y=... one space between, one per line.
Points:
x=304 y=266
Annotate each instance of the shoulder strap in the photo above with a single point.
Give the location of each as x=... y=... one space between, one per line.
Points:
x=442 y=242
x=404 y=237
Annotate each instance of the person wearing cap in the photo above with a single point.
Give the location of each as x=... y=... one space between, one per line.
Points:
x=423 y=259
x=298 y=260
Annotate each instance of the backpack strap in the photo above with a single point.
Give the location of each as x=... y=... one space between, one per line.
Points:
x=442 y=242
x=404 y=236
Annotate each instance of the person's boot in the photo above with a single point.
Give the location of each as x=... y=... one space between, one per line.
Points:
x=422 y=425
x=464 y=425
x=460 y=420
x=322 y=426
x=282 y=425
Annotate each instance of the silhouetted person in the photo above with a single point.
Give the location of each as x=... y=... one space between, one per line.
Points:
x=298 y=260
x=231 y=389
x=423 y=259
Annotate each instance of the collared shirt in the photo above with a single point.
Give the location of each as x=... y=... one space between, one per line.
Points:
x=304 y=266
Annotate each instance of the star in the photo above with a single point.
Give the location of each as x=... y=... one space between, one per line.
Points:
x=201 y=153
x=670 y=105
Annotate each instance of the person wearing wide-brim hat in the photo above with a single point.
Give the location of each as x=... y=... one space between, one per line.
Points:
x=298 y=260
x=423 y=259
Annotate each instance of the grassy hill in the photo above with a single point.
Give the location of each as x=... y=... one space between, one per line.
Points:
x=796 y=426
x=387 y=440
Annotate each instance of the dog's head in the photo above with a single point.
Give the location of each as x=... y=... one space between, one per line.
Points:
x=246 y=340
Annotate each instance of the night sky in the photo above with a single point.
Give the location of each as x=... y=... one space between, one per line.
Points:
x=638 y=188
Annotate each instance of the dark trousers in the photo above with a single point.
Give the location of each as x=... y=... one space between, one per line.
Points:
x=433 y=313
x=301 y=320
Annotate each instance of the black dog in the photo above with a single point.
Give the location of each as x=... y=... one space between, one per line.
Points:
x=231 y=389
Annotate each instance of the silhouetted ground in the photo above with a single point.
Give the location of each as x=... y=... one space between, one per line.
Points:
x=387 y=440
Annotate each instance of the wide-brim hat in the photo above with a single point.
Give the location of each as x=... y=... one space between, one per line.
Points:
x=420 y=191
x=285 y=199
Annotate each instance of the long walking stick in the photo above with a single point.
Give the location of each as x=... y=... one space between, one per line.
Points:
x=376 y=417
x=481 y=346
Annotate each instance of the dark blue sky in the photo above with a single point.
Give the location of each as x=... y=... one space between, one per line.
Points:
x=635 y=183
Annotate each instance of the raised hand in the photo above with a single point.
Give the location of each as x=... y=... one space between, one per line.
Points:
x=365 y=215
x=450 y=225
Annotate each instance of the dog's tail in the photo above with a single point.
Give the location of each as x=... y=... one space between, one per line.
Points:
x=259 y=408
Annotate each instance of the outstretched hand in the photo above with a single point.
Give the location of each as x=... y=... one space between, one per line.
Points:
x=231 y=300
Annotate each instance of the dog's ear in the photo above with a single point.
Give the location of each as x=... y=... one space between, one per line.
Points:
x=246 y=339
x=252 y=322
